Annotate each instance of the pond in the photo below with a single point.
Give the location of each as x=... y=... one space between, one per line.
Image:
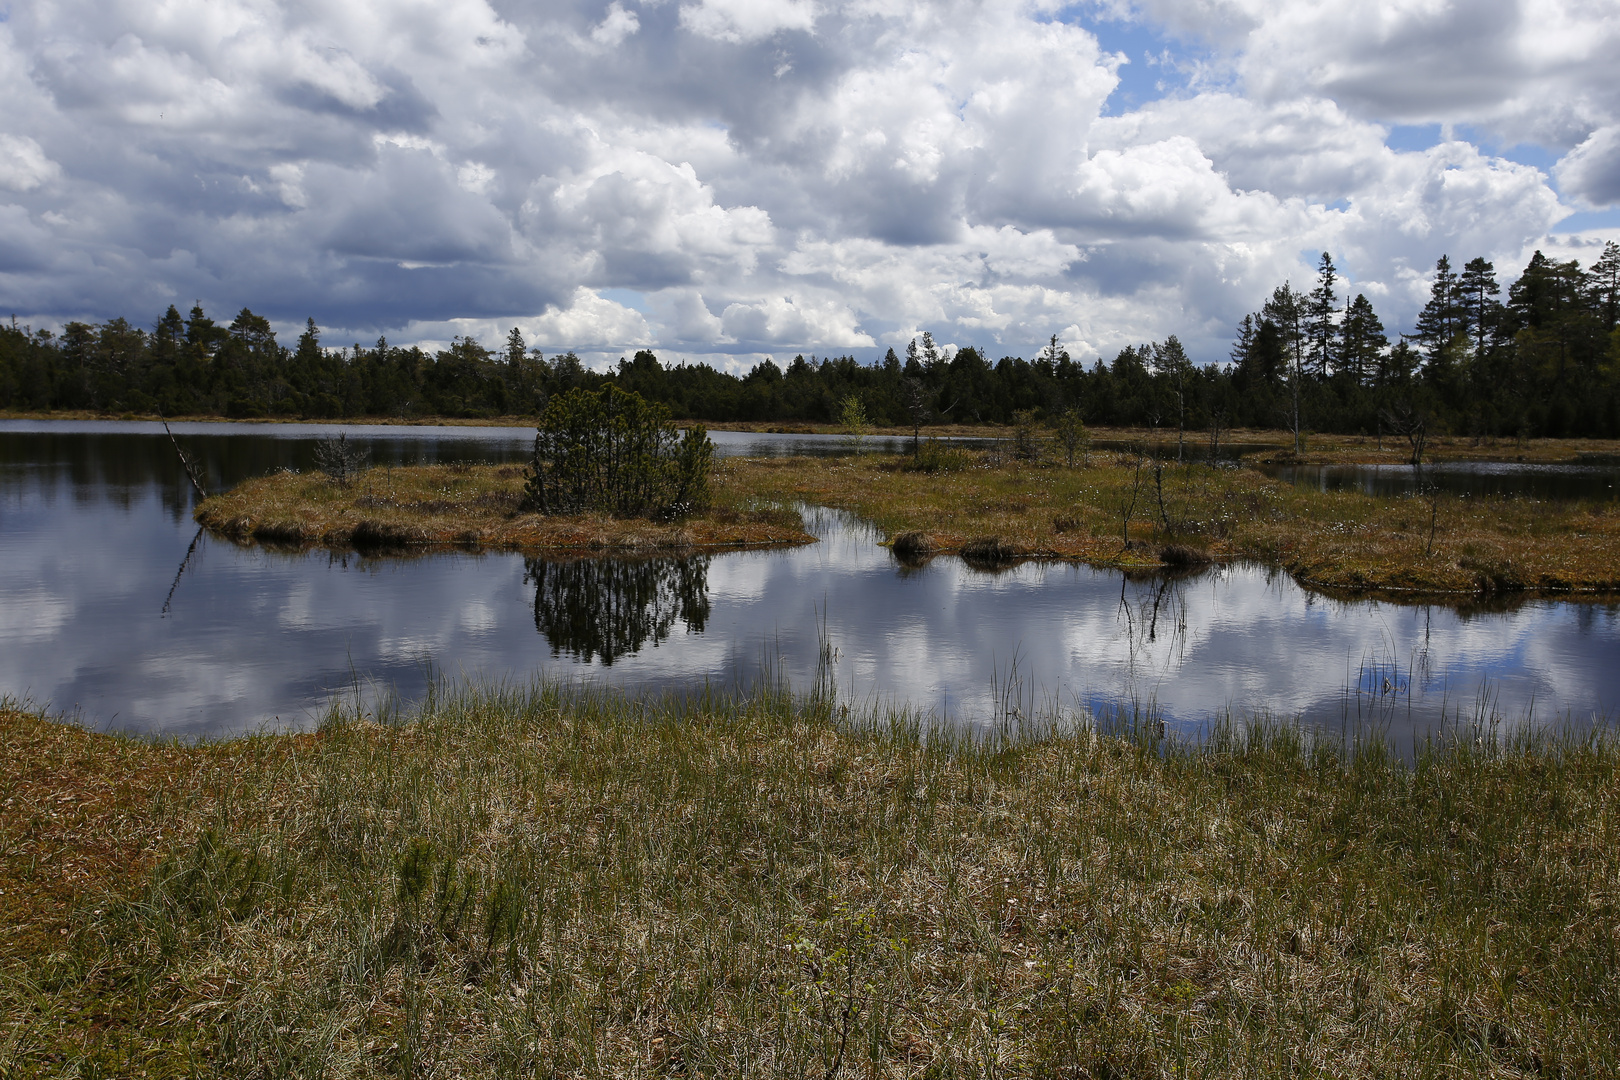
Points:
x=114 y=610
x=1466 y=478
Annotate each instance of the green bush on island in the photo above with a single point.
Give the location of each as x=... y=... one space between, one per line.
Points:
x=612 y=451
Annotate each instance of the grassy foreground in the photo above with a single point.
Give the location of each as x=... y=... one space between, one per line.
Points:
x=540 y=883
x=1334 y=540
x=428 y=506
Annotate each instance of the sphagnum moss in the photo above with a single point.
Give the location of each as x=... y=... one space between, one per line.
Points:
x=557 y=883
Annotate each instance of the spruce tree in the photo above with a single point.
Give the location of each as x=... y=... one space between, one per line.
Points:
x=1476 y=300
x=1364 y=340
x=1323 y=306
x=1440 y=320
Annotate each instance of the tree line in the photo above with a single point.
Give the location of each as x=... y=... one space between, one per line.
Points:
x=1541 y=357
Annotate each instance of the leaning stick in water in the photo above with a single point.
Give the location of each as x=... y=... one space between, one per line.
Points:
x=191 y=470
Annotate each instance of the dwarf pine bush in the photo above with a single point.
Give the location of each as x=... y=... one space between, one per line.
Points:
x=613 y=452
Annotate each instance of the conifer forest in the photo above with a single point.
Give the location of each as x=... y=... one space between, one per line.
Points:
x=1539 y=356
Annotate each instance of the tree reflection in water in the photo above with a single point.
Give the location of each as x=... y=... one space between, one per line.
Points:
x=608 y=608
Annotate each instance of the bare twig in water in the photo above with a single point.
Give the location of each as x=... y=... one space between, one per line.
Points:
x=190 y=467
x=178 y=574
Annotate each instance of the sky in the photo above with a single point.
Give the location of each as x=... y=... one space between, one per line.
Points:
x=724 y=180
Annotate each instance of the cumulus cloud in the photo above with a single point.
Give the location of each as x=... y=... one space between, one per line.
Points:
x=23 y=165
x=747 y=20
x=1591 y=172
x=754 y=177
x=590 y=320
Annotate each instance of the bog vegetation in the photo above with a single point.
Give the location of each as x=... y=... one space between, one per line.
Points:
x=1540 y=359
x=555 y=883
x=611 y=452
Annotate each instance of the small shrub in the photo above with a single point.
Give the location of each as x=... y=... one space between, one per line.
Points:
x=1069 y=430
x=1026 y=438
x=341 y=459
x=937 y=457
x=611 y=451
x=852 y=418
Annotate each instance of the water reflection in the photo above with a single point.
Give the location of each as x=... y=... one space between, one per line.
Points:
x=114 y=609
x=118 y=462
x=605 y=609
x=1473 y=478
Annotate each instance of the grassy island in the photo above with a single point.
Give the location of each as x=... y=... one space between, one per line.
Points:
x=1111 y=510
x=1115 y=511
x=544 y=883
x=429 y=507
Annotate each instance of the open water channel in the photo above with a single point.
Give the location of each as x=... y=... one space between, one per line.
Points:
x=115 y=611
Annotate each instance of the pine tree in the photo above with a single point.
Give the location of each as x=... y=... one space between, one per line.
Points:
x=309 y=342
x=1322 y=308
x=1243 y=344
x=914 y=367
x=167 y=334
x=1604 y=282
x=515 y=349
x=1364 y=340
x=1287 y=311
x=202 y=335
x=1440 y=320
x=1476 y=301
x=1171 y=363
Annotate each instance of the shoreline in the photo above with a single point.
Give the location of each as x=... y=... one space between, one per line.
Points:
x=1321 y=448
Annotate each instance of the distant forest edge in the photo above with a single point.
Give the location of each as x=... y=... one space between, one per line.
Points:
x=1545 y=362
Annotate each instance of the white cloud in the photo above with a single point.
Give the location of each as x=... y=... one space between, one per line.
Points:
x=784 y=320
x=589 y=320
x=23 y=165
x=288 y=178
x=783 y=174
x=747 y=20
x=615 y=26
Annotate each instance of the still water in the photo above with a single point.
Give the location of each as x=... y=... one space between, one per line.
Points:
x=1469 y=478
x=114 y=610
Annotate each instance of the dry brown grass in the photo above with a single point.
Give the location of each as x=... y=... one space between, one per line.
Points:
x=544 y=884
x=1336 y=540
x=83 y=814
x=434 y=506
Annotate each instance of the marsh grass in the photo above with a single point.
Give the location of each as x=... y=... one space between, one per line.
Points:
x=1191 y=513
x=544 y=881
x=437 y=506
